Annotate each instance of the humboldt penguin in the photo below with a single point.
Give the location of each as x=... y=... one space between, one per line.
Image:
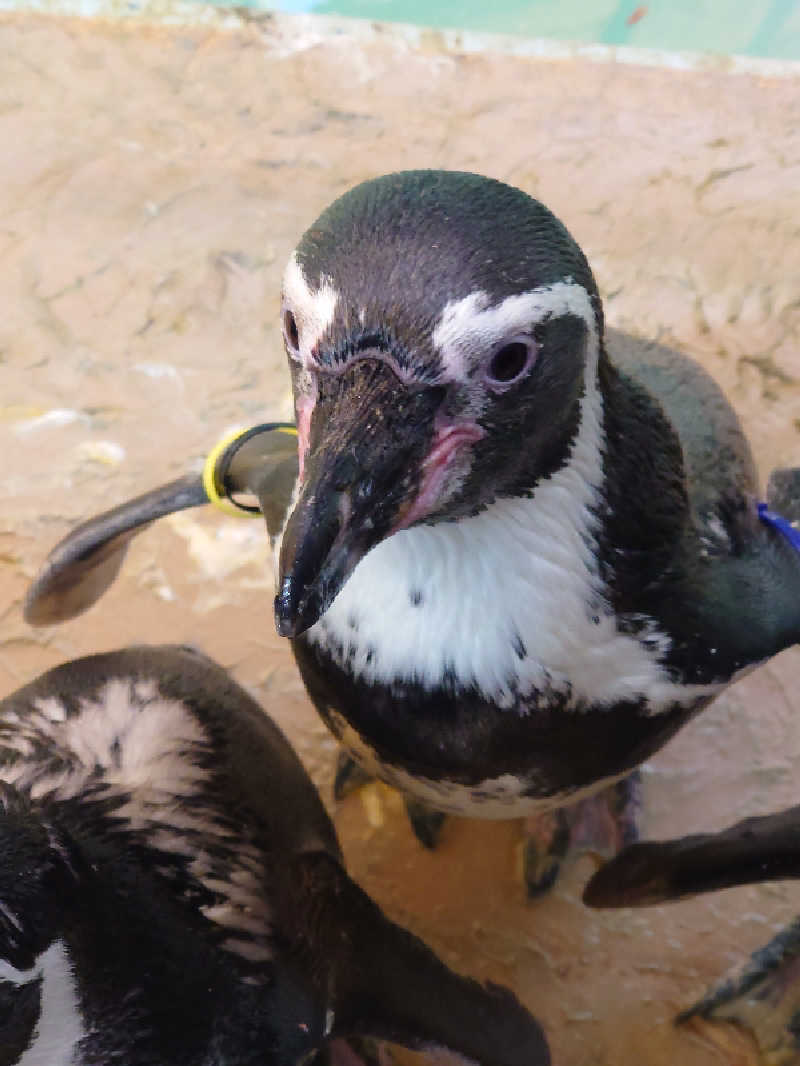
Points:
x=172 y=891
x=523 y=549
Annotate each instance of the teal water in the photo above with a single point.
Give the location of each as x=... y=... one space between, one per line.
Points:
x=764 y=28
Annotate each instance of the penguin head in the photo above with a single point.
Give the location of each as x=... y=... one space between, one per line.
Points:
x=441 y=329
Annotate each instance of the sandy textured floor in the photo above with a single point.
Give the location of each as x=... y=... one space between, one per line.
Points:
x=152 y=183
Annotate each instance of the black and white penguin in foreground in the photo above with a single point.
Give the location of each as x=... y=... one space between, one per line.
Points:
x=172 y=892
x=523 y=550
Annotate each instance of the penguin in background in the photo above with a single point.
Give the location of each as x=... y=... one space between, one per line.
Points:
x=520 y=550
x=762 y=994
x=172 y=891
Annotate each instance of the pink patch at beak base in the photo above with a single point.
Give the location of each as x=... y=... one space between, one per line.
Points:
x=303 y=411
x=448 y=443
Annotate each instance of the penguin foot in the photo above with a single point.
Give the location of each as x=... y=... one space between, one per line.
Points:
x=349 y=776
x=546 y=844
x=425 y=821
x=761 y=997
x=600 y=825
x=607 y=822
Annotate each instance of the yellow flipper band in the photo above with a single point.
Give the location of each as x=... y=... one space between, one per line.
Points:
x=222 y=503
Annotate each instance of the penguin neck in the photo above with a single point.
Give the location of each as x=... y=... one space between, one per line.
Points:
x=644 y=511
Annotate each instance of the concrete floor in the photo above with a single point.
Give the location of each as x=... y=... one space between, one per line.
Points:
x=154 y=179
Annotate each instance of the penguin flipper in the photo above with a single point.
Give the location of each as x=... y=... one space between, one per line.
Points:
x=84 y=565
x=766 y=848
x=386 y=984
x=746 y=602
x=761 y=997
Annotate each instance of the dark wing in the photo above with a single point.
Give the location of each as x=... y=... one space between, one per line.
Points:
x=719 y=464
x=81 y=567
x=755 y=850
x=386 y=984
x=738 y=580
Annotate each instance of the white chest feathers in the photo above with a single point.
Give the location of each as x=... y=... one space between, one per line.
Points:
x=509 y=601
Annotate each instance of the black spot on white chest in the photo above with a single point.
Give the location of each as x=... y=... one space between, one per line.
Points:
x=509 y=603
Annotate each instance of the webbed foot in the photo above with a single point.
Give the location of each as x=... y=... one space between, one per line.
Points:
x=761 y=997
x=349 y=776
x=600 y=825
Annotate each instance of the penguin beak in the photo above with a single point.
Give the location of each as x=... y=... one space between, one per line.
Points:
x=364 y=477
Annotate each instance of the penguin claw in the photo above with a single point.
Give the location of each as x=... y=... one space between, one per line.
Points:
x=761 y=997
x=349 y=776
x=729 y=1043
x=426 y=822
x=600 y=825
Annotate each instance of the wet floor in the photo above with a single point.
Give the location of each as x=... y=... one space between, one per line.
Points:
x=158 y=178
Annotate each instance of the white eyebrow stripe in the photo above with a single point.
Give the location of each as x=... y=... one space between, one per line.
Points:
x=313 y=309
x=469 y=328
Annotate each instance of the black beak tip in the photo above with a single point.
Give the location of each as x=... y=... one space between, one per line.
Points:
x=284 y=625
x=294 y=613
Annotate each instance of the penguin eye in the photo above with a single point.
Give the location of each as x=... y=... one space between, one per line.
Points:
x=510 y=362
x=290 y=332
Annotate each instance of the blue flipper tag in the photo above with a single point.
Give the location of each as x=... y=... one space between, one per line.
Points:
x=783 y=526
